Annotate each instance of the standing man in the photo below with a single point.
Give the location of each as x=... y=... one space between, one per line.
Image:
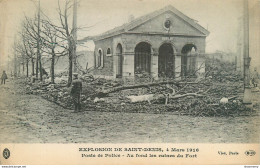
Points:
x=76 y=91
x=3 y=78
x=255 y=77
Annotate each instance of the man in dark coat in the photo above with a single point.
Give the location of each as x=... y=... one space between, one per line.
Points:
x=3 y=78
x=255 y=77
x=76 y=92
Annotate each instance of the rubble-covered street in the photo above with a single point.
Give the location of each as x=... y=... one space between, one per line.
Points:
x=219 y=94
x=29 y=118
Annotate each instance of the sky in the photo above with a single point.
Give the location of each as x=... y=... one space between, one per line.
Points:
x=220 y=17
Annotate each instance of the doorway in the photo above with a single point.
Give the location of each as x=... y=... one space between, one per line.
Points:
x=166 y=67
x=188 y=60
x=143 y=58
x=119 y=58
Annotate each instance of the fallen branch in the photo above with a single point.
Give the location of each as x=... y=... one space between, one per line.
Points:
x=150 y=97
x=185 y=95
x=147 y=85
x=231 y=98
x=141 y=98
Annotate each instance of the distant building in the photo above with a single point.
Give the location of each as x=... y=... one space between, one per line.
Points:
x=62 y=63
x=164 y=43
x=223 y=56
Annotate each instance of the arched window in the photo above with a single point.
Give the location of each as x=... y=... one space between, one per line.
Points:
x=109 y=52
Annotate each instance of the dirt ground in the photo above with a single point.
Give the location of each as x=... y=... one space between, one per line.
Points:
x=32 y=119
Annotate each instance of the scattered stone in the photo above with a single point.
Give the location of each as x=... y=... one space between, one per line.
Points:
x=224 y=100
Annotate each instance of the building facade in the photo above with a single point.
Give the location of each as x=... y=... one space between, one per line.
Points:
x=164 y=43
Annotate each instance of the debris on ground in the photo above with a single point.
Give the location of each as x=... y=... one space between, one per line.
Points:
x=218 y=94
x=224 y=100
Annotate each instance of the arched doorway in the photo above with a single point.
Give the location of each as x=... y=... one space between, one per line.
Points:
x=142 y=58
x=188 y=60
x=99 y=58
x=119 y=55
x=166 y=61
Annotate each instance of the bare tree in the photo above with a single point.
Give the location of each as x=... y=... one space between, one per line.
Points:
x=51 y=41
x=30 y=54
x=47 y=40
x=30 y=40
x=68 y=34
x=23 y=55
x=64 y=33
x=55 y=40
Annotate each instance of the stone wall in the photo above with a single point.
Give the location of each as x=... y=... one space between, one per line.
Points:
x=106 y=67
x=129 y=42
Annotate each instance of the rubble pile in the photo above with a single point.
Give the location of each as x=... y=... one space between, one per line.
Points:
x=204 y=106
x=219 y=94
x=222 y=71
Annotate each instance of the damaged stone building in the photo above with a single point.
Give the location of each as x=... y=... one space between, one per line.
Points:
x=164 y=43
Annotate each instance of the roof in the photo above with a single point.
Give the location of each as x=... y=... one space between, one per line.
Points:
x=138 y=21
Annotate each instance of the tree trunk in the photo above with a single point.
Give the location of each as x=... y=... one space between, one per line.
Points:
x=74 y=34
x=19 y=68
x=32 y=66
x=38 y=43
x=23 y=67
x=150 y=97
x=27 y=68
x=52 y=66
x=40 y=68
x=70 y=69
x=15 y=66
x=70 y=62
x=37 y=67
x=147 y=85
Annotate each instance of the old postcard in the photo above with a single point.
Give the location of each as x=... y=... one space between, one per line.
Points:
x=103 y=82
